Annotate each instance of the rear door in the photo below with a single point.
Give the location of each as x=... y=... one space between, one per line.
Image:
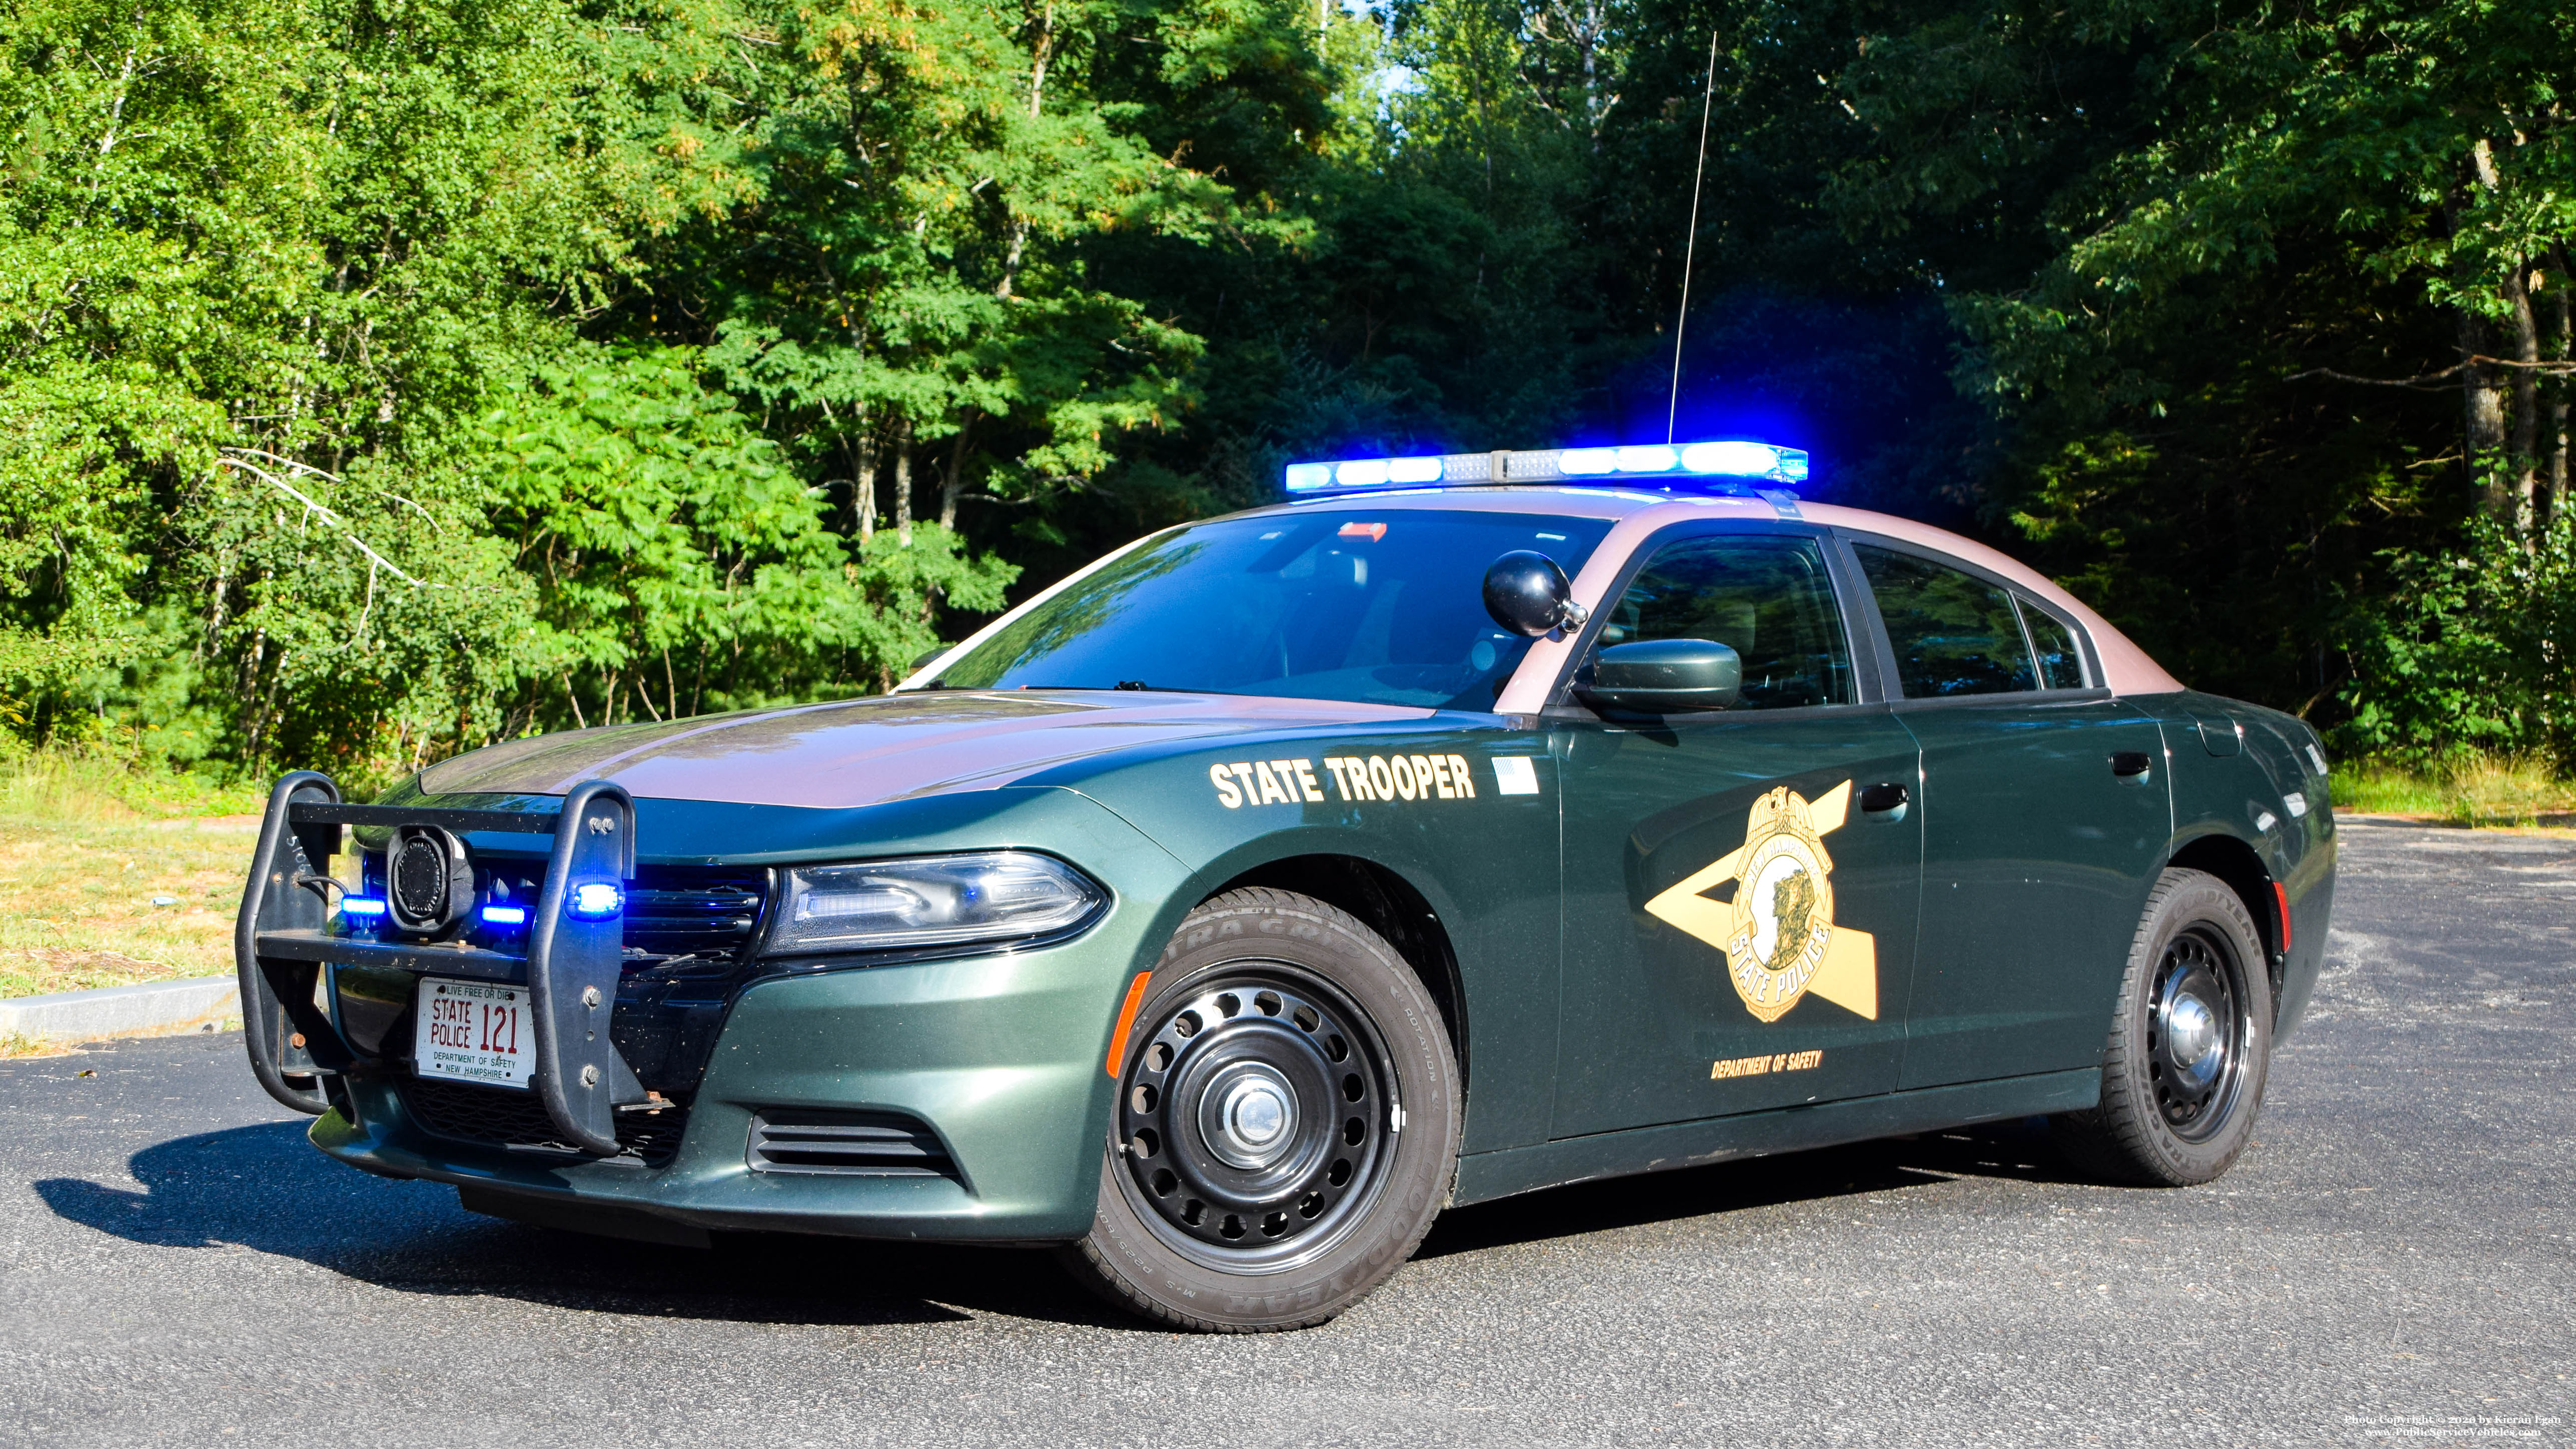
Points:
x=2046 y=819
x=1738 y=927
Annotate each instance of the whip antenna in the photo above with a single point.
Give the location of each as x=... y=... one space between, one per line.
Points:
x=1690 y=242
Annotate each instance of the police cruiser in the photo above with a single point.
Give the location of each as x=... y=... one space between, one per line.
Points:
x=1458 y=827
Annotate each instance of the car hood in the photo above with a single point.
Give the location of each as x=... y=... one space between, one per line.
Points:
x=867 y=751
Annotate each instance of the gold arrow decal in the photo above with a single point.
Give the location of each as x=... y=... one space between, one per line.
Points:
x=1778 y=933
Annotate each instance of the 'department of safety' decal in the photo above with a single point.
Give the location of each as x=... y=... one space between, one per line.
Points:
x=1778 y=931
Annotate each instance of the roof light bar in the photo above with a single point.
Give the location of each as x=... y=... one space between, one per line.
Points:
x=1726 y=465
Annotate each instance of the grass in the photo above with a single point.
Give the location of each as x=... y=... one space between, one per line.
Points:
x=2495 y=792
x=110 y=877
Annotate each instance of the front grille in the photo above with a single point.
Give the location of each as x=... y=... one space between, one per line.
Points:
x=692 y=911
x=505 y=1117
x=672 y=911
x=847 y=1144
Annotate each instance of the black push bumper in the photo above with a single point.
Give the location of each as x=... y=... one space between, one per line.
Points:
x=283 y=939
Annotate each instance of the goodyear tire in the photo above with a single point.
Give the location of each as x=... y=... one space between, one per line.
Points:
x=1286 y=1125
x=2190 y=1043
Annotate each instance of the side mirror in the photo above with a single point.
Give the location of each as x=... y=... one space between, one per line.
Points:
x=1528 y=594
x=1659 y=676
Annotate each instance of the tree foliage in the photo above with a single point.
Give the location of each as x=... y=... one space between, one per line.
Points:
x=382 y=377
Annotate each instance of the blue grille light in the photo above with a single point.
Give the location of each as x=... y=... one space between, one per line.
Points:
x=505 y=915
x=595 y=900
x=1728 y=459
x=361 y=915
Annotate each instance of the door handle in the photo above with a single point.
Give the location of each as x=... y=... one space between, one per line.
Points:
x=2130 y=764
x=1882 y=798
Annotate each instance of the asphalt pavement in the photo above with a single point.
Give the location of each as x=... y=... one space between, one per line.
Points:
x=2390 y=1263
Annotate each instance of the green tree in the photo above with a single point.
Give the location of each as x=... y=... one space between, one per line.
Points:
x=377 y=382
x=679 y=567
x=302 y=454
x=2180 y=243
x=913 y=292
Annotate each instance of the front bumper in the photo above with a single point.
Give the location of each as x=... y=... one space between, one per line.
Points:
x=999 y=1055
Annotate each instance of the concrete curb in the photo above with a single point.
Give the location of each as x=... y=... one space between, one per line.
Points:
x=155 y=1006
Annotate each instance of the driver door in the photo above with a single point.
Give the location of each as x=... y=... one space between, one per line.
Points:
x=1739 y=928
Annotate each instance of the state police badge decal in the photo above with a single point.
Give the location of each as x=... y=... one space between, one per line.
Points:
x=1778 y=931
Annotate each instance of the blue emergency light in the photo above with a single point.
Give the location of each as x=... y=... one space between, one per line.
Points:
x=595 y=900
x=505 y=915
x=1720 y=466
x=362 y=915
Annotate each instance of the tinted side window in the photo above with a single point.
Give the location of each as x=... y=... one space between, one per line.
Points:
x=1767 y=598
x=2061 y=664
x=1954 y=633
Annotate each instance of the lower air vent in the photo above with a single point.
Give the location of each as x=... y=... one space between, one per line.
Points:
x=847 y=1144
x=503 y=1117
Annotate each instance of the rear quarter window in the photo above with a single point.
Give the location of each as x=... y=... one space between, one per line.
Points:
x=2061 y=662
x=1953 y=633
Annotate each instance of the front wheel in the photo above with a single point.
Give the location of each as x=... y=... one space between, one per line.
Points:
x=1286 y=1126
x=2190 y=1043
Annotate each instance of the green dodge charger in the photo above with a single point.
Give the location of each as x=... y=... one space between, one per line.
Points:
x=1459 y=827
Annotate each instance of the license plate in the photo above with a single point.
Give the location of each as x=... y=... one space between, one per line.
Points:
x=474 y=1031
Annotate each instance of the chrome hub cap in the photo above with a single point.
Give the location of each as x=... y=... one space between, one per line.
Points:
x=1249 y=1118
x=2195 y=1039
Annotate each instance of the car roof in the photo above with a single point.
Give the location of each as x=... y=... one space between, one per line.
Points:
x=1636 y=514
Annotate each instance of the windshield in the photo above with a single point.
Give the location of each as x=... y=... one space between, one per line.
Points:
x=1374 y=606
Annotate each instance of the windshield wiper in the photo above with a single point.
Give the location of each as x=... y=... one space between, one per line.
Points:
x=927 y=686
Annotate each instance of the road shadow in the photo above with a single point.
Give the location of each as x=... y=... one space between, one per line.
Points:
x=2018 y=1150
x=264 y=1188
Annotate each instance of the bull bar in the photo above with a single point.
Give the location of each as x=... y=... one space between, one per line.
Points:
x=282 y=941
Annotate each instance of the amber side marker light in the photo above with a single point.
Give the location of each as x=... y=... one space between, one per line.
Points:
x=1127 y=1020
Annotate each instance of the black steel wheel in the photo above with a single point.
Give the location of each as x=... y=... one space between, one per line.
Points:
x=2190 y=1042
x=2196 y=1030
x=1256 y=1120
x=1286 y=1124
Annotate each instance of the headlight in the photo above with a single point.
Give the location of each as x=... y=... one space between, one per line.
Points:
x=935 y=900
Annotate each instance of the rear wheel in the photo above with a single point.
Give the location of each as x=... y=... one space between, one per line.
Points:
x=1286 y=1127
x=2190 y=1044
